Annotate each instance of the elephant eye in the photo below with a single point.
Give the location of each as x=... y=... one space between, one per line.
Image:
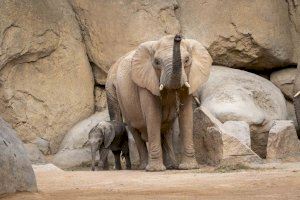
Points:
x=187 y=60
x=157 y=62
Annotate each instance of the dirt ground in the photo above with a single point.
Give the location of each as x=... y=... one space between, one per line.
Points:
x=272 y=181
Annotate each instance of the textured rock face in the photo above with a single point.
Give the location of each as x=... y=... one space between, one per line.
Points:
x=294 y=12
x=34 y=154
x=235 y=95
x=239 y=130
x=100 y=99
x=16 y=172
x=284 y=80
x=46 y=83
x=242 y=34
x=113 y=28
x=283 y=141
x=214 y=144
x=74 y=151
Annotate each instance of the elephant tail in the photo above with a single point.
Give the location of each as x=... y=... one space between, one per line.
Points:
x=112 y=103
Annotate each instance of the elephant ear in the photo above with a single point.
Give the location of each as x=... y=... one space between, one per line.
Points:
x=142 y=71
x=201 y=65
x=109 y=135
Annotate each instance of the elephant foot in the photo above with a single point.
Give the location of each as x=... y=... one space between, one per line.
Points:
x=143 y=165
x=188 y=163
x=155 y=166
x=172 y=167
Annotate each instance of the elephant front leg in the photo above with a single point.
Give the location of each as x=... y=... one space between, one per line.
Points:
x=188 y=160
x=103 y=159
x=168 y=151
x=152 y=114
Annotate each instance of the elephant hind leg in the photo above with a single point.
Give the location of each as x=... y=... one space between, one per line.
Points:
x=297 y=111
x=117 y=160
x=126 y=154
x=141 y=146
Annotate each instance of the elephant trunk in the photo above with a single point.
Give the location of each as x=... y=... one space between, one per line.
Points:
x=93 y=151
x=175 y=80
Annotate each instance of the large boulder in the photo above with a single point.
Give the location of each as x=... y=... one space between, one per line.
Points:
x=34 y=154
x=75 y=152
x=284 y=80
x=239 y=130
x=113 y=28
x=236 y=95
x=46 y=82
x=16 y=172
x=242 y=34
x=214 y=144
x=283 y=141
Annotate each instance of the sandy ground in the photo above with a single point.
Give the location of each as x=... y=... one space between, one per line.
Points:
x=267 y=182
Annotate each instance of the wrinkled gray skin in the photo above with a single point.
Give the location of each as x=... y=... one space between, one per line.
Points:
x=297 y=96
x=151 y=86
x=107 y=136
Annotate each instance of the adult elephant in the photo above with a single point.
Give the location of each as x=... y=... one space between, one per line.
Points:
x=297 y=96
x=151 y=86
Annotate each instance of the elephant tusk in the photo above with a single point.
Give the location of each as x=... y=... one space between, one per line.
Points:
x=187 y=84
x=161 y=87
x=297 y=94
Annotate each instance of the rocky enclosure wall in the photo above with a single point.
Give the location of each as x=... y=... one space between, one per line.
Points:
x=55 y=54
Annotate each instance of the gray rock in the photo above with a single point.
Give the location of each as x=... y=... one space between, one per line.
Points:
x=42 y=145
x=239 y=130
x=34 y=154
x=213 y=144
x=16 y=171
x=236 y=95
x=283 y=141
x=73 y=151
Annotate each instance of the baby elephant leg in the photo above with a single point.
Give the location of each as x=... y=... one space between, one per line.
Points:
x=117 y=159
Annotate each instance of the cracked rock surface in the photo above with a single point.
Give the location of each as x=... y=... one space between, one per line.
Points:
x=46 y=83
x=113 y=28
x=241 y=34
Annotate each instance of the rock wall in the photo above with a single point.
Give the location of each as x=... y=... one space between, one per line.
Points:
x=55 y=55
x=242 y=34
x=46 y=83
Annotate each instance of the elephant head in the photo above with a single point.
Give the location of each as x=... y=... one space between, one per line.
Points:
x=296 y=99
x=101 y=136
x=170 y=63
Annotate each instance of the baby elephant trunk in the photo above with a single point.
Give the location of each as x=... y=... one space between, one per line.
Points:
x=93 y=151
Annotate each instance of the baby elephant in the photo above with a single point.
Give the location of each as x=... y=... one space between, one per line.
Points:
x=109 y=135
